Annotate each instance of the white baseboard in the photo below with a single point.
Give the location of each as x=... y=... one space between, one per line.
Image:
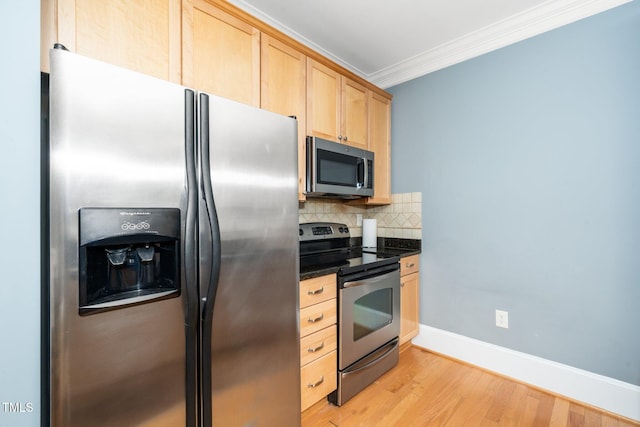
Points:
x=596 y=390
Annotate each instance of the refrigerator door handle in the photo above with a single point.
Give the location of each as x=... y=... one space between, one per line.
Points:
x=190 y=261
x=191 y=230
x=208 y=299
x=212 y=216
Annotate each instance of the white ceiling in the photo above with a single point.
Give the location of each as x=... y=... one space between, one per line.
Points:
x=389 y=42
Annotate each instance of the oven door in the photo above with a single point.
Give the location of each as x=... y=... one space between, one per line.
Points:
x=369 y=313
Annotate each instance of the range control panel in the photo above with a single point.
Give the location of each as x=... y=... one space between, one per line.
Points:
x=323 y=230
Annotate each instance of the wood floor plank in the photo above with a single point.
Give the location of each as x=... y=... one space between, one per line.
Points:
x=530 y=410
x=609 y=421
x=576 y=415
x=500 y=401
x=545 y=410
x=560 y=413
x=592 y=418
x=427 y=389
x=479 y=395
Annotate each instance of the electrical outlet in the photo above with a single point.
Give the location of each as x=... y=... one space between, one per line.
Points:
x=359 y=220
x=502 y=319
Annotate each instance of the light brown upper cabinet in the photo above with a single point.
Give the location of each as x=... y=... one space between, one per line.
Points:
x=323 y=101
x=221 y=53
x=282 y=90
x=142 y=35
x=336 y=106
x=354 y=114
x=380 y=144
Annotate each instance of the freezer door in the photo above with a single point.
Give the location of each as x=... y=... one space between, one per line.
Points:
x=249 y=266
x=119 y=139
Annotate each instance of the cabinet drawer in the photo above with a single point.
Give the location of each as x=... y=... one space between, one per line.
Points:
x=410 y=264
x=317 y=316
x=318 y=289
x=318 y=379
x=318 y=344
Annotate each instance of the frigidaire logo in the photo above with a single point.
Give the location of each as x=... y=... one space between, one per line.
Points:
x=134 y=213
x=142 y=225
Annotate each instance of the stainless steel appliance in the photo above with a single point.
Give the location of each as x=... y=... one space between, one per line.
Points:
x=338 y=170
x=368 y=304
x=172 y=255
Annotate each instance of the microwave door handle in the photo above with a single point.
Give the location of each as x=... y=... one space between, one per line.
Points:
x=366 y=173
x=362 y=172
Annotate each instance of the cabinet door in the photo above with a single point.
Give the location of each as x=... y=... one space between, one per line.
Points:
x=323 y=101
x=409 y=307
x=221 y=54
x=380 y=144
x=142 y=35
x=283 y=90
x=354 y=114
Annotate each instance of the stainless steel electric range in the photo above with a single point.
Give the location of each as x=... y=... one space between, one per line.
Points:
x=368 y=285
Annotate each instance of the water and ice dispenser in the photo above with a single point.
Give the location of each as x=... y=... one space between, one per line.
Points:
x=128 y=256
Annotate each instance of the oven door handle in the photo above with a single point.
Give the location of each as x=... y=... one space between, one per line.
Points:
x=370 y=277
x=372 y=359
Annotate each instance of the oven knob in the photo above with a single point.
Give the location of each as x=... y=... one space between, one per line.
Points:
x=346 y=230
x=300 y=232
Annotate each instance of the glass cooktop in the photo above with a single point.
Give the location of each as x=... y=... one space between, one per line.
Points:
x=347 y=261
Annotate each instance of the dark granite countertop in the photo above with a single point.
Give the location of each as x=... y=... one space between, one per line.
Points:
x=310 y=273
x=388 y=246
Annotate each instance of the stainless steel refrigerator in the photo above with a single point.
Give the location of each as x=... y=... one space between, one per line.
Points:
x=172 y=246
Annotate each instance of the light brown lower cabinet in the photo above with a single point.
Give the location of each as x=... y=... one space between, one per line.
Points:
x=318 y=379
x=409 y=298
x=318 y=339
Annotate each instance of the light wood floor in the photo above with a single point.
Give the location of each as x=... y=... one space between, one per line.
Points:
x=427 y=389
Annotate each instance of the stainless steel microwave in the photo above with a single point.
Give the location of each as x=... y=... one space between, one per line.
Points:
x=338 y=170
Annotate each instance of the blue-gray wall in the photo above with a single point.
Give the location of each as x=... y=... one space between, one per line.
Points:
x=528 y=160
x=20 y=213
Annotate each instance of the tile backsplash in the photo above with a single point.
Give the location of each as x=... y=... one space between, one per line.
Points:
x=401 y=219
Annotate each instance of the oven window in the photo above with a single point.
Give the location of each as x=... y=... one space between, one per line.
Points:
x=372 y=312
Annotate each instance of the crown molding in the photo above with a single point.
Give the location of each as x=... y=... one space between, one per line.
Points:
x=267 y=19
x=537 y=20
x=531 y=22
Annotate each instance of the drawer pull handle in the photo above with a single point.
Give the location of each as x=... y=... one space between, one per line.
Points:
x=413 y=264
x=317 y=319
x=316 y=292
x=320 y=381
x=318 y=348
